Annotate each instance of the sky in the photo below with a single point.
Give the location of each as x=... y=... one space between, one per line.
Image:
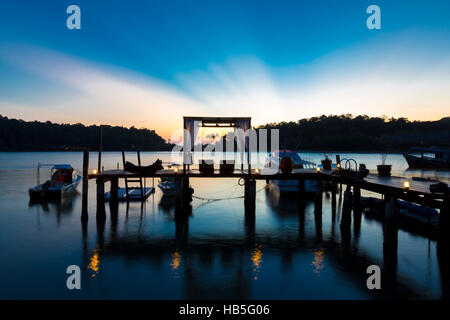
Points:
x=147 y=63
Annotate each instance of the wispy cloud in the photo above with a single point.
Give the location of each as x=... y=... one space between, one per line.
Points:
x=401 y=75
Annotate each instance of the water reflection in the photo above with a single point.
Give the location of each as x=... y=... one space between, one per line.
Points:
x=94 y=264
x=317 y=263
x=256 y=259
x=158 y=249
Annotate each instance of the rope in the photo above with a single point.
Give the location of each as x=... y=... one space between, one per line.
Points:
x=227 y=198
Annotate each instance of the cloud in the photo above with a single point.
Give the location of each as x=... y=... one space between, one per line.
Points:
x=105 y=95
x=401 y=75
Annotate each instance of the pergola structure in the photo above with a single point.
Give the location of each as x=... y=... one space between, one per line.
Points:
x=190 y=133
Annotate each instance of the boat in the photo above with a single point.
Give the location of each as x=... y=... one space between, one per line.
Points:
x=411 y=217
x=169 y=186
x=273 y=160
x=63 y=181
x=134 y=194
x=428 y=157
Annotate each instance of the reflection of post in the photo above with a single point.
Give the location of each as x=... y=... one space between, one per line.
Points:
x=84 y=229
x=84 y=210
x=301 y=192
x=390 y=240
x=182 y=214
x=301 y=221
x=101 y=220
x=443 y=247
x=114 y=210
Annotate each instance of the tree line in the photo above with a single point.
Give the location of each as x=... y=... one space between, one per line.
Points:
x=361 y=133
x=19 y=135
x=324 y=133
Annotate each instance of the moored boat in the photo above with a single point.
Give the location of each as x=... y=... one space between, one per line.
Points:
x=63 y=181
x=273 y=161
x=430 y=157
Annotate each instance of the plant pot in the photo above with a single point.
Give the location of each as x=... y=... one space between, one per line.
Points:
x=384 y=170
x=206 y=166
x=327 y=164
x=226 y=166
x=286 y=164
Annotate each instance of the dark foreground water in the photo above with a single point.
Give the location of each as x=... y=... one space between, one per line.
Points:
x=144 y=251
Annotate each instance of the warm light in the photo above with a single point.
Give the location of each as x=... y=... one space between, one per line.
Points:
x=256 y=259
x=338 y=165
x=94 y=263
x=175 y=170
x=256 y=171
x=94 y=171
x=406 y=185
x=176 y=260
x=318 y=169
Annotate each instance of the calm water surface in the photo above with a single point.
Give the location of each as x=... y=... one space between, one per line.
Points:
x=144 y=252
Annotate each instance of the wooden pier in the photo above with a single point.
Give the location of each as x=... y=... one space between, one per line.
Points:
x=390 y=187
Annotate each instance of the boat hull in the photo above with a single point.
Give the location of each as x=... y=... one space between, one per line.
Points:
x=425 y=162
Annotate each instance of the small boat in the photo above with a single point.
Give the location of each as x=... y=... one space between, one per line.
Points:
x=430 y=157
x=274 y=159
x=169 y=186
x=134 y=194
x=412 y=217
x=63 y=181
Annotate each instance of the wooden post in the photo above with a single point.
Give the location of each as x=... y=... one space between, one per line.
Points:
x=114 y=190
x=250 y=196
x=100 y=197
x=346 y=219
x=301 y=193
x=84 y=204
x=100 y=147
x=356 y=197
x=318 y=198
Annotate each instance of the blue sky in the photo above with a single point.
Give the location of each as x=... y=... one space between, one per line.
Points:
x=147 y=63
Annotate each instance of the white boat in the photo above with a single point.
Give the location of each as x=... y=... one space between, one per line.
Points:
x=273 y=161
x=63 y=181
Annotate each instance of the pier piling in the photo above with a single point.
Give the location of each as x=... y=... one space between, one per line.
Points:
x=346 y=219
x=100 y=197
x=114 y=190
x=84 y=204
x=318 y=198
x=250 y=196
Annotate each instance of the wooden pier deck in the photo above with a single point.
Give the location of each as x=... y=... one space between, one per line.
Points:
x=419 y=191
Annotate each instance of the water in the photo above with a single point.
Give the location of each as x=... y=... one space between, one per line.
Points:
x=143 y=252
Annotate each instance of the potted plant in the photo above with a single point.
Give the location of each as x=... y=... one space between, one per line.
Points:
x=384 y=170
x=327 y=163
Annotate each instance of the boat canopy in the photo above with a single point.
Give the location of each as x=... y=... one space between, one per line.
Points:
x=62 y=166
